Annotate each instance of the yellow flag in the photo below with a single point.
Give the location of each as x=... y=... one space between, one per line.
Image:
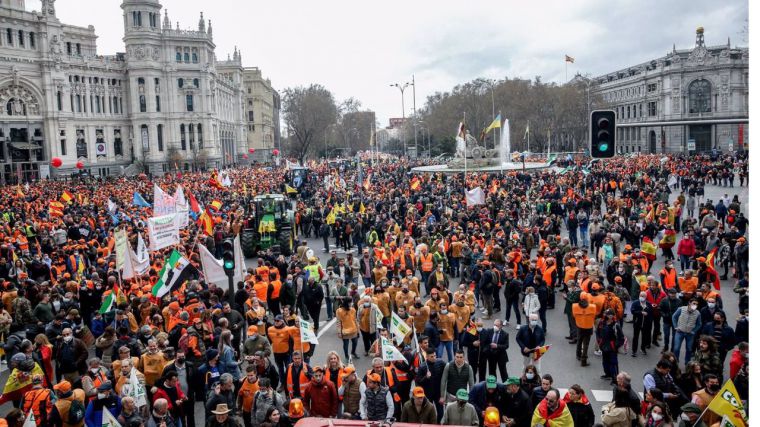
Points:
x=495 y=124
x=728 y=404
x=362 y=208
x=330 y=219
x=290 y=190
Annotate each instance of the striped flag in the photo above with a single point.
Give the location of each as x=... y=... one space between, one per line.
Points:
x=710 y=261
x=538 y=352
x=55 y=208
x=216 y=204
x=66 y=197
x=569 y=59
x=176 y=271
x=110 y=300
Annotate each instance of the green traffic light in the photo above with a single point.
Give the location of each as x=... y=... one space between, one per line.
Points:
x=229 y=265
x=603 y=147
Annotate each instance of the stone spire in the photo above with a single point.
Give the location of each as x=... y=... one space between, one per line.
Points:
x=167 y=22
x=202 y=24
x=210 y=30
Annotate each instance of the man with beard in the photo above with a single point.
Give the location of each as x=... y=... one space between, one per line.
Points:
x=703 y=397
x=515 y=405
x=552 y=411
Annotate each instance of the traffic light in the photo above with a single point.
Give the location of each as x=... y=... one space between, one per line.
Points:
x=602 y=134
x=228 y=255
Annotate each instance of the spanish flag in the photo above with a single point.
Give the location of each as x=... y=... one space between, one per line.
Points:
x=710 y=261
x=538 y=352
x=649 y=249
x=415 y=184
x=216 y=204
x=66 y=197
x=19 y=383
x=19 y=193
x=206 y=223
x=728 y=404
x=472 y=328
x=55 y=208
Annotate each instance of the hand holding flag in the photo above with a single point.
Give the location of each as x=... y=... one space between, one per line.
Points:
x=539 y=351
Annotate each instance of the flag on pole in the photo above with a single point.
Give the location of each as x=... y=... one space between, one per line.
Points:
x=569 y=59
x=138 y=200
x=110 y=300
x=108 y=419
x=55 y=208
x=390 y=352
x=216 y=204
x=538 y=352
x=496 y=123
x=378 y=318
x=162 y=287
x=471 y=328
x=399 y=328
x=728 y=405
x=307 y=332
x=415 y=183
x=648 y=248
x=206 y=223
x=710 y=261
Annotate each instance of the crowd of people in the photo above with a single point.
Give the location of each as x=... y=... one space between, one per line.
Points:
x=411 y=250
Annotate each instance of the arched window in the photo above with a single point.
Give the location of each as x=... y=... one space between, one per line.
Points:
x=699 y=96
x=15 y=107
x=179 y=56
x=196 y=83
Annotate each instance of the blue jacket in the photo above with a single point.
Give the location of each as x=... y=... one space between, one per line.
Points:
x=93 y=415
x=478 y=395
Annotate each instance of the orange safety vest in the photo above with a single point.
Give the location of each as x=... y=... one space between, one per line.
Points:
x=303 y=380
x=570 y=274
x=426 y=262
x=263 y=271
x=276 y=286
x=547 y=275
x=35 y=400
x=669 y=278
x=260 y=288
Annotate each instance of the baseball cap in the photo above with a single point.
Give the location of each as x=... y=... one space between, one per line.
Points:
x=418 y=392
x=513 y=381
x=373 y=377
x=491 y=381
x=463 y=395
x=348 y=370
x=691 y=408
x=63 y=386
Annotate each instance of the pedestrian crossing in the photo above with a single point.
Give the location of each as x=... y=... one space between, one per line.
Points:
x=601 y=396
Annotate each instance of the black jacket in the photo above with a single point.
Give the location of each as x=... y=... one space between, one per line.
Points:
x=518 y=407
x=582 y=413
x=486 y=338
x=530 y=339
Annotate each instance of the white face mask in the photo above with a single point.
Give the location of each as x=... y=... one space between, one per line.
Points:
x=711 y=304
x=533 y=322
x=101 y=395
x=693 y=306
x=68 y=338
x=642 y=300
x=656 y=416
x=529 y=375
x=685 y=417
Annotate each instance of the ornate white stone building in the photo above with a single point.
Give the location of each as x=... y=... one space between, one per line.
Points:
x=694 y=99
x=165 y=103
x=262 y=114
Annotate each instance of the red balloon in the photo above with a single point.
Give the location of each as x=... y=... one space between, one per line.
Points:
x=56 y=162
x=276 y=152
x=80 y=165
x=245 y=156
x=251 y=150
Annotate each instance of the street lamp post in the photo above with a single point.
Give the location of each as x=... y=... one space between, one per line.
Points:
x=403 y=111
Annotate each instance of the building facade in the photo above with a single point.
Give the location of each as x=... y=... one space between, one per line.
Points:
x=165 y=103
x=262 y=115
x=693 y=100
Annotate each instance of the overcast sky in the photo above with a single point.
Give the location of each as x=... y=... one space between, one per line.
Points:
x=357 y=48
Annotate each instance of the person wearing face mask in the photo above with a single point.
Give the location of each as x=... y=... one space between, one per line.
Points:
x=186 y=376
x=94 y=377
x=105 y=398
x=461 y=412
x=405 y=297
x=686 y=322
x=529 y=337
x=366 y=320
x=151 y=363
x=657 y=416
x=641 y=311
x=610 y=337
x=382 y=300
x=690 y=416
x=71 y=356
x=446 y=325
x=703 y=397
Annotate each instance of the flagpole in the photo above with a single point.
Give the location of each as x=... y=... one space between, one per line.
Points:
x=464 y=137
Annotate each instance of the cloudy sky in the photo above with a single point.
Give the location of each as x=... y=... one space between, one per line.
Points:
x=357 y=48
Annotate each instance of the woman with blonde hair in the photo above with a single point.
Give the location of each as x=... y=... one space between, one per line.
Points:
x=43 y=354
x=334 y=369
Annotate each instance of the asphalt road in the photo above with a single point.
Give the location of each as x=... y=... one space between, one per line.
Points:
x=559 y=361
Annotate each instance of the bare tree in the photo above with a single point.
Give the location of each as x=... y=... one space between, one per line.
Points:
x=308 y=111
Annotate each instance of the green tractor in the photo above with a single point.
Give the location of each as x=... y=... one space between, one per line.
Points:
x=269 y=224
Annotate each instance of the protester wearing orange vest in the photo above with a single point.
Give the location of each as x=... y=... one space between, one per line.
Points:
x=426 y=267
x=59 y=413
x=38 y=400
x=584 y=314
x=297 y=376
x=279 y=335
x=668 y=275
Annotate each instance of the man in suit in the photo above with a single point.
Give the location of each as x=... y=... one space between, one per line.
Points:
x=529 y=338
x=493 y=345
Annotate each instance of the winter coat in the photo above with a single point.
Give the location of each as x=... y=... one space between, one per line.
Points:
x=426 y=415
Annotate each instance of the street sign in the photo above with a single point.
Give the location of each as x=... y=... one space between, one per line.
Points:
x=691 y=145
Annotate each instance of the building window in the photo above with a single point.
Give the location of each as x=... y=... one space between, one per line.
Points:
x=59 y=100
x=139 y=19
x=145 y=138
x=143 y=107
x=699 y=96
x=21 y=38
x=180 y=83
x=200 y=137
x=195 y=57
x=160 y=137
x=97 y=103
x=182 y=140
x=178 y=57
x=63 y=141
x=191 y=135
x=652 y=87
x=628 y=112
x=187 y=57
x=158 y=104
x=196 y=83
x=117 y=145
x=189 y=102
x=250 y=116
x=79 y=49
x=652 y=107
x=9 y=37
x=641 y=111
x=79 y=103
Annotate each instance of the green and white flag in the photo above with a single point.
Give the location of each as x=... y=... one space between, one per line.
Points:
x=137 y=390
x=108 y=419
x=109 y=302
x=307 y=332
x=399 y=328
x=390 y=352
x=378 y=317
x=177 y=269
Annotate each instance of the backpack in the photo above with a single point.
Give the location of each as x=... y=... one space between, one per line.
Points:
x=184 y=342
x=175 y=335
x=76 y=413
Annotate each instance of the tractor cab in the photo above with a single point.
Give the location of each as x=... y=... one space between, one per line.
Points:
x=268 y=225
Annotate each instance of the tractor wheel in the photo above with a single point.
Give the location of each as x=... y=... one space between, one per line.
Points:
x=286 y=242
x=248 y=243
